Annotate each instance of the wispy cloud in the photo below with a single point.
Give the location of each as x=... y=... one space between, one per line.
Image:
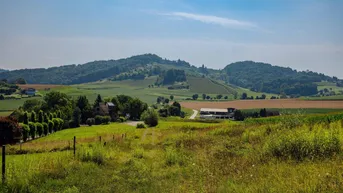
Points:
x=225 y=22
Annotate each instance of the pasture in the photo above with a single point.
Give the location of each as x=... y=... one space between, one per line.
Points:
x=184 y=156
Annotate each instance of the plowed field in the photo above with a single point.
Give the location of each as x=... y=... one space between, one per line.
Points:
x=256 y=104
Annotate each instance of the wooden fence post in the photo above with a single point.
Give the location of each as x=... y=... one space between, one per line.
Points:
x=113 y=137
x=100 y=139
x=3 y=164
x=74 y=145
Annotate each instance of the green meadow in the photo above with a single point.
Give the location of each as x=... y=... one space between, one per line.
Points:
x=183 y=156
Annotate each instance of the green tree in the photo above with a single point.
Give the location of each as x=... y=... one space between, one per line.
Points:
x=2 y=97
x=32 y=105
x=51 y=126
x=195 y=97
x=33 y=116
x=26 y=118
x=166 y=101
x=20 y=81
x=46 y=118
x=226 y=97
x=244 y=96
x=40 y=129
x=203 y=96
x=97 y=101
x=40 y=116
x=77 y=117
x=219 y=96
x=171 y=97
x=45 y=128
x=26 y=132
x=150 y=117
x=33 y=130
x=263 y=113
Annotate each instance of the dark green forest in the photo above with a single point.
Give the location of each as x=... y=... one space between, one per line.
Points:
x=259 y=77
x=262 y=77
x=88 y=72
x=171 y=76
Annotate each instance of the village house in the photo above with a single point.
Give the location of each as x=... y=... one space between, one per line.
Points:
x=106 y=109
x=209 y=113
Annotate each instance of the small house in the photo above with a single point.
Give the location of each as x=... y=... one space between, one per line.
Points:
x=30 y=92
x=106 y=109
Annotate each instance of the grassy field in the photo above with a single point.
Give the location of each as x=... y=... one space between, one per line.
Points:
x=204 y=85
x=187 y=156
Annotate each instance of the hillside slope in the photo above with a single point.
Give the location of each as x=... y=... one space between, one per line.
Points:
x=89 y=72
x=262 y=77
x=257 y=77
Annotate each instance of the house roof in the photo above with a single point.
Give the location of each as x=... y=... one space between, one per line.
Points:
x=213 y=110
x=110 y=104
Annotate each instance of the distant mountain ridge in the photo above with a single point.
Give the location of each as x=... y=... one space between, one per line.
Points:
x=256 y=76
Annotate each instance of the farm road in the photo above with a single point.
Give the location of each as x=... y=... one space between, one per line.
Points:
x=195 y=113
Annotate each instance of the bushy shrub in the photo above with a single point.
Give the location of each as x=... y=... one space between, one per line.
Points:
x=51 y=126
x=102 y=119
x=45 y=128
x=56 y=124
x=26 y=131
x=98 y=120
x=40 y=129
x=150 y=117
x=33 y=130
x=72 y=124
x=140 y=126
x=106 y=120
x=121 y=119
x=90 y=121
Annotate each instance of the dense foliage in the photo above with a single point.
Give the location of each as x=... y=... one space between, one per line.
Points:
x=263 y=77
x=150 y=117
x=10 y=130
x=91 y=71
x=171 y=76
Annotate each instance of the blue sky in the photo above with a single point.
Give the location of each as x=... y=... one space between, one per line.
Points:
x=302 y=34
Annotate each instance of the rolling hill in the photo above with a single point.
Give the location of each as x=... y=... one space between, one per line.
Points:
x=257 y=77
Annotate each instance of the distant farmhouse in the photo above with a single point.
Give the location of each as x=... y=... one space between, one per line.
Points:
x=209 y=113
x=30 y=92
x=106 y=109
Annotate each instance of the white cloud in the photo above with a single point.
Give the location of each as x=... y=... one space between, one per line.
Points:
x=225 y=22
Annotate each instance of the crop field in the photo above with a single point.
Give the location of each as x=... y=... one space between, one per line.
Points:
x=204 y=85
x=298 y=110
x=183 y=156
x=258 y=104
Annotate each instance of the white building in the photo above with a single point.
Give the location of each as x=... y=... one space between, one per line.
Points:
x=209 y=113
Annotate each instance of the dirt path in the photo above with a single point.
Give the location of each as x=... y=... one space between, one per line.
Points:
x=195 y=113
x=133 y=123
x=257 y=104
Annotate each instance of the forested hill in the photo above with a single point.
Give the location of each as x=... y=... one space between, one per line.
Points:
x=2 y=70
x=262 y=77
x=89 y=72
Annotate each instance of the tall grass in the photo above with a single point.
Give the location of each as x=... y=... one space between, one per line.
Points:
x=303 y=143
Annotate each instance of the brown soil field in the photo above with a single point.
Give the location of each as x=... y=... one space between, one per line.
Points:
x=257 y=104
x=38 y=86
